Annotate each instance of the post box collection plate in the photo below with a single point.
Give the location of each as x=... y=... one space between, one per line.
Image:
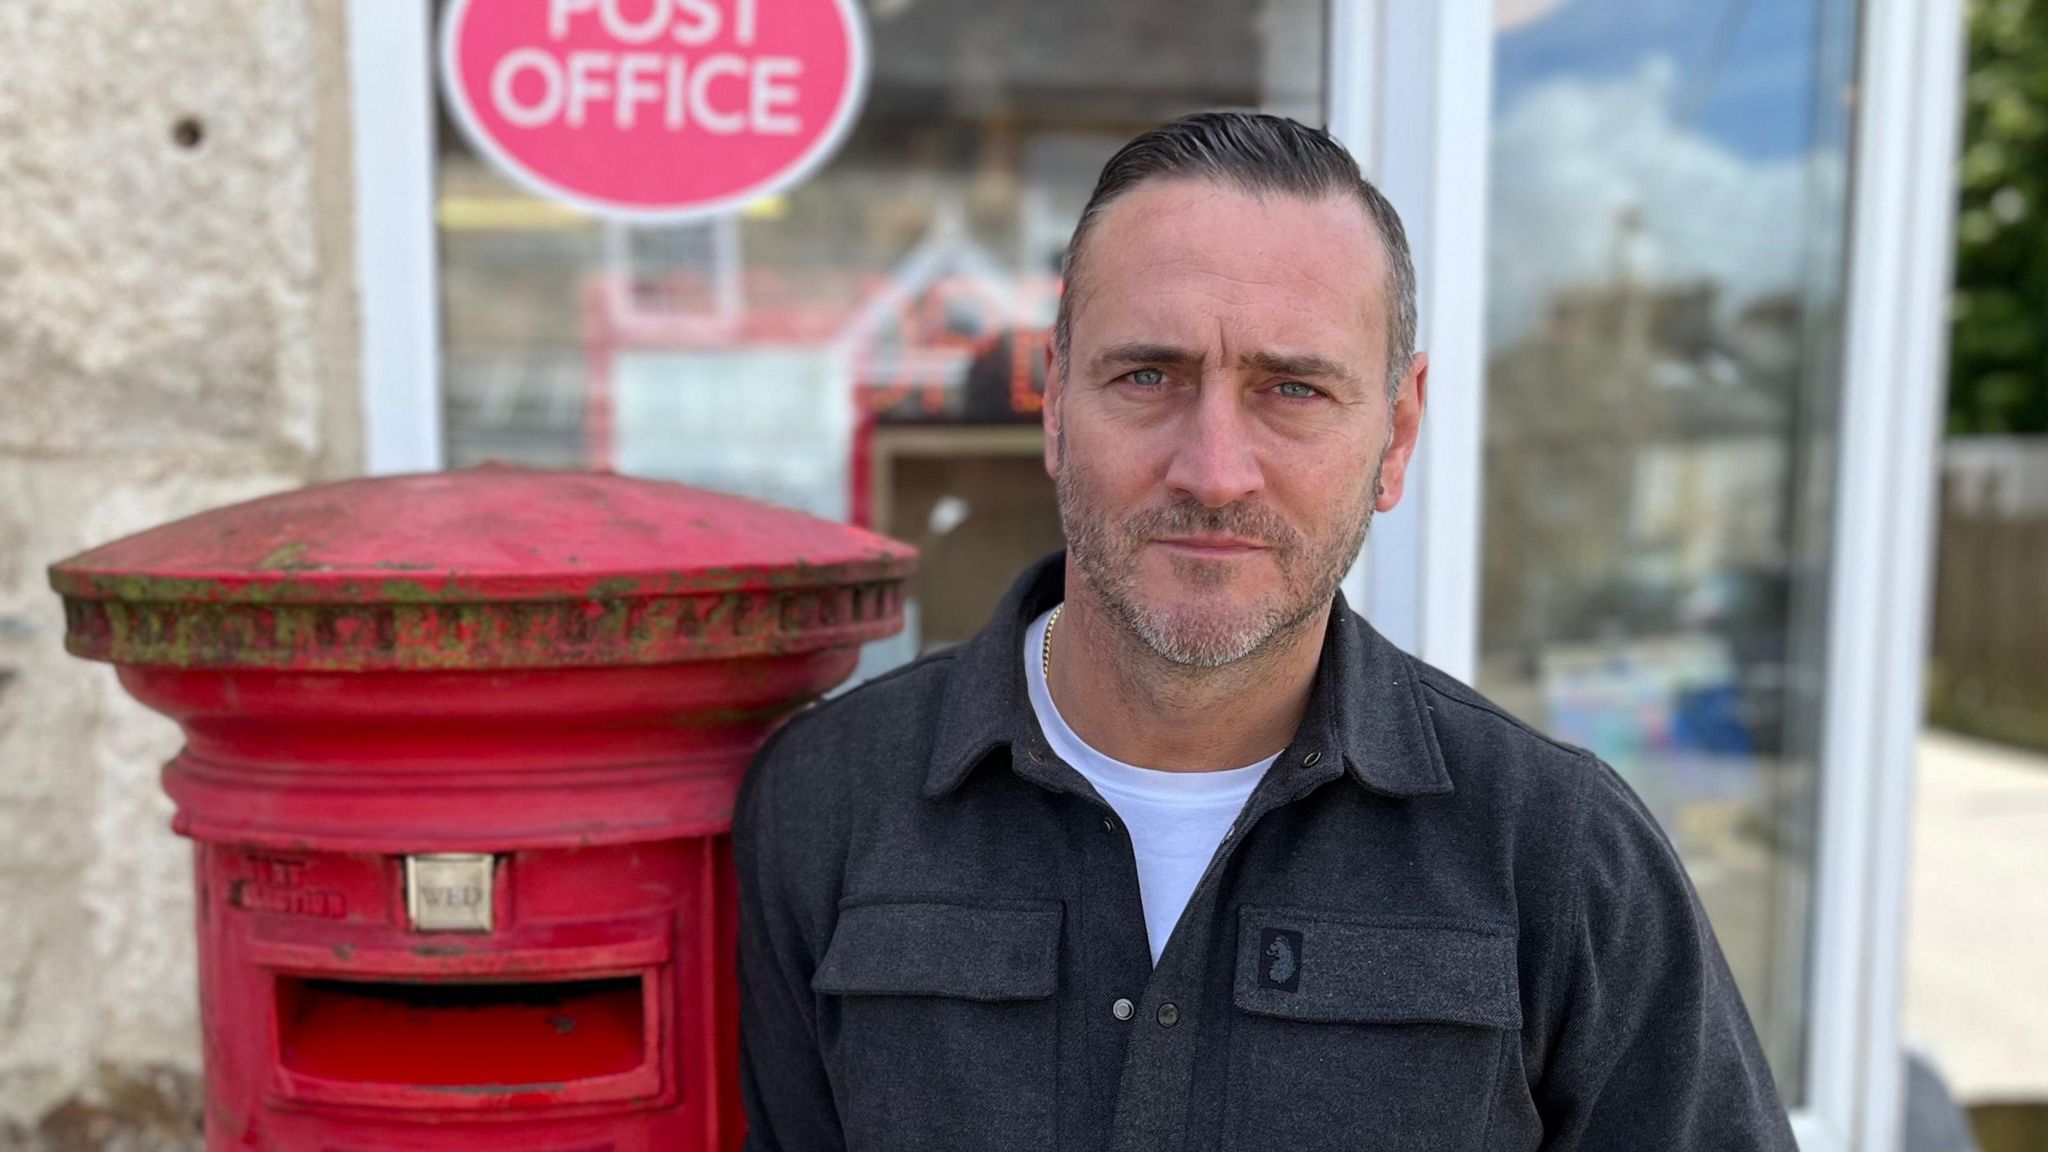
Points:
x=449 y=891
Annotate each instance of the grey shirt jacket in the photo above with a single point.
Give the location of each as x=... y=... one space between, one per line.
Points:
x=1431 y=928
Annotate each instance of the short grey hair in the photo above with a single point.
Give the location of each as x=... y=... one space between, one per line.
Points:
x=1258 y=153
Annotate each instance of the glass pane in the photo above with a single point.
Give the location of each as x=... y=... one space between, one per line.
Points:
x=865 y=346
x=1664 y=287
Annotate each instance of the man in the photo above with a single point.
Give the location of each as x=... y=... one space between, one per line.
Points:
x=1179 y=853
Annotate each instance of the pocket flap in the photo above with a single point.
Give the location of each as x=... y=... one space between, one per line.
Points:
x=1323 y=967
x=934 y=949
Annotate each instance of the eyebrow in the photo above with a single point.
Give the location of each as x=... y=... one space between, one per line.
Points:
x=1139 y=352
x=1299 y=364
x=1278 y=363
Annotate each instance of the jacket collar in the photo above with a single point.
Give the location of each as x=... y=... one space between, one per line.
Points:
x=1365 y=703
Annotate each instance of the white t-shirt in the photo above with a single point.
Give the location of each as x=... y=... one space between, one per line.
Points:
x=1176 y=819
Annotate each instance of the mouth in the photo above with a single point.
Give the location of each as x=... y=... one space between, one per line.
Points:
x=1211 y=546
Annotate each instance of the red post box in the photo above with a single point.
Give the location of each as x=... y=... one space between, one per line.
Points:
x=461 y=753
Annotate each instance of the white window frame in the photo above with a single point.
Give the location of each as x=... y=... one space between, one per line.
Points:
x=1409 y=90
x=1900 y=269
x=390 y=71
x=1410 y=93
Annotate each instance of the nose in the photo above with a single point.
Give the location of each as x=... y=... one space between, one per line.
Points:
x=1214 y=454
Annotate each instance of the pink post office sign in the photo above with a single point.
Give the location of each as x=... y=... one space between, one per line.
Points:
x=654 y=110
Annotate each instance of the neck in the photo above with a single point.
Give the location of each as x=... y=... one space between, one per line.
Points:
x=1129 y=703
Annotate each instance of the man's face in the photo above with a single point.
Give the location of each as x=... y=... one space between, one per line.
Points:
x=1222 y=433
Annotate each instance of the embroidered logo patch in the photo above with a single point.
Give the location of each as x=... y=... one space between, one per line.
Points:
x=1280 y=960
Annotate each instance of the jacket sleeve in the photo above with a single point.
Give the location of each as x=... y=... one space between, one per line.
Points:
x=1653 y=1047
x=783 y=1085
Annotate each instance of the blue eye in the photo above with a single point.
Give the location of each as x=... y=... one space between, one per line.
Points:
x=1296 y=390
x=1148 y=377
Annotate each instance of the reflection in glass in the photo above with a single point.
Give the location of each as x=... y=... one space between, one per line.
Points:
x=1665 y=231
x=866 y=346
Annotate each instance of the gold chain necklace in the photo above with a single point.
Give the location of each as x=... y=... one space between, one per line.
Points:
x=1045 y=656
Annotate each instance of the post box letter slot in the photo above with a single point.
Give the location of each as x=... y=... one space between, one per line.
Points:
x=446 y=1037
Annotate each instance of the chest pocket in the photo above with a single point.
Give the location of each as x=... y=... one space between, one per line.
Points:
x=938 y=1021
x=1364 y=1033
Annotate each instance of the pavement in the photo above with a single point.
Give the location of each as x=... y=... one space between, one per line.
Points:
x=1977 y=927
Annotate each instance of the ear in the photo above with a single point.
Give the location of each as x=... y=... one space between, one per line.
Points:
x=1406 y=432
x=1055 y=386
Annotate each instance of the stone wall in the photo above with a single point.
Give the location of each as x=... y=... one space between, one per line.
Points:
x=177 y=331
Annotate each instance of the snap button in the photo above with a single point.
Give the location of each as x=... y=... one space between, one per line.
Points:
x=1168 y=1015
x=1109 y=824
x=1310 y=759
x=1123 y=1009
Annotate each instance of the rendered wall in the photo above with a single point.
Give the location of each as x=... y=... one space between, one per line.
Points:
x=177 y=331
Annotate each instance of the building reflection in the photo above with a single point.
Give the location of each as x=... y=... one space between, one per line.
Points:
x=1646 y=558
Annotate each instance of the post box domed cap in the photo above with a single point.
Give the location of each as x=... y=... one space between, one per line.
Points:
x=477 y=536
x=421 y=545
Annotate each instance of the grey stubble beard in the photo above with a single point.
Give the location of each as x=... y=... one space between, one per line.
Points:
x=1106 y=556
